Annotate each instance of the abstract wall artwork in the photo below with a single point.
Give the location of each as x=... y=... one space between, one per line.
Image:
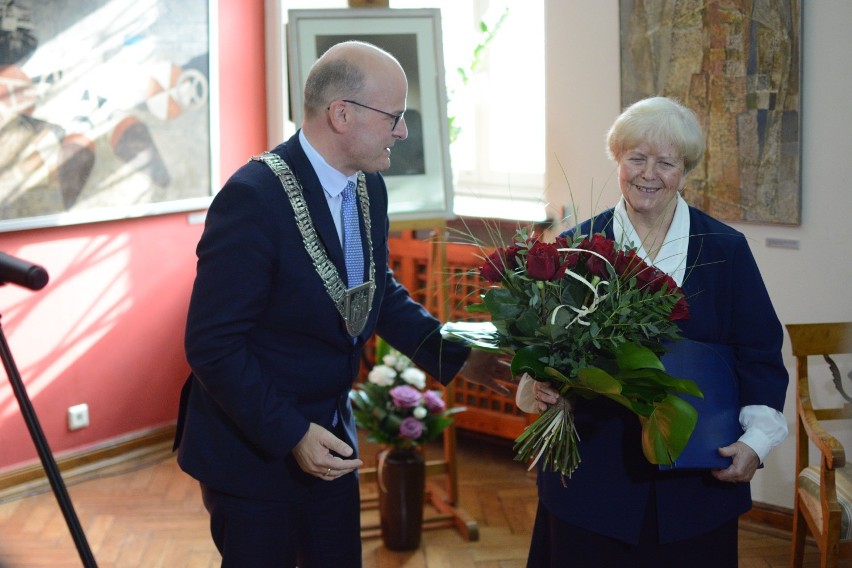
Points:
x=104 y=109
x=736 y=63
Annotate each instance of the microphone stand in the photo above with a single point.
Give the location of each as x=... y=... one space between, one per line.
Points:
x=40 y=442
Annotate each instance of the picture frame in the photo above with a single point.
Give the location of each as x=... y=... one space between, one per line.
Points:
x=108 y=108
x=419 y=180
x=738 y=67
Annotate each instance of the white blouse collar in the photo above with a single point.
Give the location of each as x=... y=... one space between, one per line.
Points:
x=671 y=258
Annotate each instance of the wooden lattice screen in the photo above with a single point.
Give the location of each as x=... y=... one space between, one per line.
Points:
x=411 y=260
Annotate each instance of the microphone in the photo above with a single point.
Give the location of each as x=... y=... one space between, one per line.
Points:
x=21 y=272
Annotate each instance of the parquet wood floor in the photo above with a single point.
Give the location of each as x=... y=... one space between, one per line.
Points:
x=148 y=514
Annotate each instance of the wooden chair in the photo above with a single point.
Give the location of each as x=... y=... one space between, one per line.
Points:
x=822 y=498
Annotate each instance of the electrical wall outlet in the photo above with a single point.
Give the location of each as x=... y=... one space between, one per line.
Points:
x=78 y=416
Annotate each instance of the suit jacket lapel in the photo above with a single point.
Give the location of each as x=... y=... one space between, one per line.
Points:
x=317 y=203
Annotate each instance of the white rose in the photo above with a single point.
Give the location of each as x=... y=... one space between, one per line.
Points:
x=414 y=377
x=389 y=360
x=402 y=363
x=420 y=412
x=381 y=375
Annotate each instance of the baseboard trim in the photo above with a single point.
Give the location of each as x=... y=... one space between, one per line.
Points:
x=152 y=444
x=768 y=518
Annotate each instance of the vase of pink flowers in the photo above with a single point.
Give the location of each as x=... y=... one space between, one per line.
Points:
x=399 y=412
x=401 y=475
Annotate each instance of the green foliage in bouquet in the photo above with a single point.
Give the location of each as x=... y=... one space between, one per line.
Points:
x=591 y=318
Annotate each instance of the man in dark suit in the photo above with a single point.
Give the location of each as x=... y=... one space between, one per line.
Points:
x=278 y=318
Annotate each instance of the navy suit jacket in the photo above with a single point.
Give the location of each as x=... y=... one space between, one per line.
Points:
x=728 y=304
x=268 y=350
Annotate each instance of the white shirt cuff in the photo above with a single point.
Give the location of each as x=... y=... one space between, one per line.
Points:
x=764 y=428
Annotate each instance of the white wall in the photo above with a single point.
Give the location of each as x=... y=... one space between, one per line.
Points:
x=811 y=284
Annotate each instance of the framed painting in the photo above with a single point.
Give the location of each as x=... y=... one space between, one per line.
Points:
x=737 y=64
x=105 y=109
x=419 y=180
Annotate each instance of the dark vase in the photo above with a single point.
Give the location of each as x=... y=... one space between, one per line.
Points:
x=401 y=475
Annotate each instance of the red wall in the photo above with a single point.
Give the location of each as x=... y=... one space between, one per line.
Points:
x=107 y=330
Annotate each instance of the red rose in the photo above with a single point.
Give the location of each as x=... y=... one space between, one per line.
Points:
x=512 y=257
x=494 y=267
x=680 y=310
x=569 y=260
x=498 y=263
x=603 y=247
x=543 y=262
x=668 y=281
x=646 y=278
x=628 y=264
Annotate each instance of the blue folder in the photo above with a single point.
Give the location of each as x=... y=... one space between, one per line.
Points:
x=712 y=367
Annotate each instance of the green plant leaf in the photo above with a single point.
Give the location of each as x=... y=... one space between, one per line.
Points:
x=501 y=303
x=632 y=356
x=527 y=323
x=480 y=308
x=598 y=381
x=666 y=432
x=532 y=360
x=382 y=348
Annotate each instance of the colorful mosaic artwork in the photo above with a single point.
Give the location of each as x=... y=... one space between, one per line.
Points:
x=737 y=64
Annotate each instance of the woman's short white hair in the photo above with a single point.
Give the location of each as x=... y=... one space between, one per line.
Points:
x=659 y=121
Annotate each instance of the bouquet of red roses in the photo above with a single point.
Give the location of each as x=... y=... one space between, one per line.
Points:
x=591 y=318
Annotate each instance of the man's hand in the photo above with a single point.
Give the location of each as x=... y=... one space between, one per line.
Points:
x=487 y=369
x=746 y=462
x=313 y=454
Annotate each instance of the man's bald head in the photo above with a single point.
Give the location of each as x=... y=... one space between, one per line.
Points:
x=346 y=70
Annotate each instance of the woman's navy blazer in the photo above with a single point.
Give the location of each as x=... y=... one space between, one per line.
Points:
x=728 y=304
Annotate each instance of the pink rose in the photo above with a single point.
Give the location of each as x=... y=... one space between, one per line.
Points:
x=411 y=428
x=434 y=401
x=405 y=396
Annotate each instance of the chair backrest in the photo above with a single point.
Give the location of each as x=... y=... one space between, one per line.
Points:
x=819 y=501
x=824 y=339
x=820 y=338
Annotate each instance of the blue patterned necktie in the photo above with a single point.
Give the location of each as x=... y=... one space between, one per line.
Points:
x=352 y=237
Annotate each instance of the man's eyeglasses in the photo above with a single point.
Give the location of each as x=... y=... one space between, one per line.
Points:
x=396 y=117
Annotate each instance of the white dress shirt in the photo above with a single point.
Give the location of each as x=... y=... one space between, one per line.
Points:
x=333 y=182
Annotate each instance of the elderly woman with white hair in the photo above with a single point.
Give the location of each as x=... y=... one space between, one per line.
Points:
x=617 y=509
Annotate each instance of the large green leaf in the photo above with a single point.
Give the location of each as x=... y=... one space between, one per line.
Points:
x=598 y=381
x=631 y=356
x=663 y=381
x=531 y=359
x=666 y=432
x=501 y=303
x=527 y=322
x=480 y=308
